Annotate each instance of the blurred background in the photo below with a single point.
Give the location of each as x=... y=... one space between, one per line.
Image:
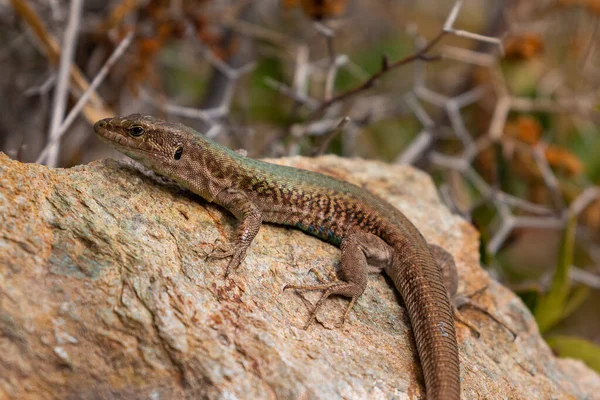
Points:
x=498 y=100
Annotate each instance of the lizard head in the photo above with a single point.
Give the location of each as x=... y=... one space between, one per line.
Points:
x=155 y=143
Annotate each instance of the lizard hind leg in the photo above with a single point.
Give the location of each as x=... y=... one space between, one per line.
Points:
x=446 y=263
x=359 y=250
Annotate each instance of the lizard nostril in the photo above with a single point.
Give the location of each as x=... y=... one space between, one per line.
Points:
x=100 y=124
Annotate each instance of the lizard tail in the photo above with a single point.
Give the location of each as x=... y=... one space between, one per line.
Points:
x=419 y=281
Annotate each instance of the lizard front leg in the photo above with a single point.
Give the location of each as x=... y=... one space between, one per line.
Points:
x=250 y=219
x=359 y=251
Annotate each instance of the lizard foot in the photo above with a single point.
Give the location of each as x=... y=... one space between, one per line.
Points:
x=328 y=289
x=236 y=253
x=465 y=301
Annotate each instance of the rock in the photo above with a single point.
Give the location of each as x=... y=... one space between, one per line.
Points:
x=105 y=293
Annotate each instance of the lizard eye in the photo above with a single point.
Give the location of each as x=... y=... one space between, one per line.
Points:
x=136 y=131
x=178 y=153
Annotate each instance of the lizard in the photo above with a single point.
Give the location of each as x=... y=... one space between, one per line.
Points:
x=372 y=234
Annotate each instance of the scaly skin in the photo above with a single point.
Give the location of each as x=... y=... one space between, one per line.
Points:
x=372 y=234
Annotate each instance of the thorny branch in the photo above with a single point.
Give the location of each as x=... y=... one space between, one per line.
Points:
x=310 y=84
x=385 y=68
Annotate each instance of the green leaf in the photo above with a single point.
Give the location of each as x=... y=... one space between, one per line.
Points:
x=571 y=346
x=552 y=306
x=577 y=297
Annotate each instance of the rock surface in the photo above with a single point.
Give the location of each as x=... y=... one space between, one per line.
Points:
x=105 y=293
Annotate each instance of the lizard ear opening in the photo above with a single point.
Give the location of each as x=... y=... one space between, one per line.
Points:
x=178 y=153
